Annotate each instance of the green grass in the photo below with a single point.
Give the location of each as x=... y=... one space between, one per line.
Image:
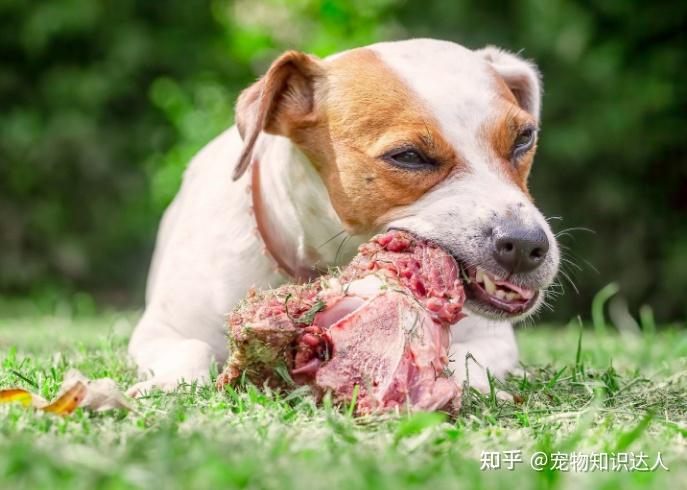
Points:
x=618 y=393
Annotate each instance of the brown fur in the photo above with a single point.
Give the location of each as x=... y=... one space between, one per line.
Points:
x=365 y=111
x=502 y=131
x=280 y=100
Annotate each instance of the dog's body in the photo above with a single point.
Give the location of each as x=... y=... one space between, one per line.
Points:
x=324 y=133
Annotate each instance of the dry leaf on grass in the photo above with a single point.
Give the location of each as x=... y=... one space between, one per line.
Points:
x=18 y=395
x=68 y=401
x=76 y=391
x=101 y=394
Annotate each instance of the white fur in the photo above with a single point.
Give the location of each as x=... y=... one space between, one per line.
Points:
x=208 y=255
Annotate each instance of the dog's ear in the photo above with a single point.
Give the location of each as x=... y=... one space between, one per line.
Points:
x=278 y=103
x=521 y=76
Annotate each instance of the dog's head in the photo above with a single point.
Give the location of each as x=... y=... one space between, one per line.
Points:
x=425 y=136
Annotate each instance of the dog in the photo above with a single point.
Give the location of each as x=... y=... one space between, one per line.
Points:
x=421 y=135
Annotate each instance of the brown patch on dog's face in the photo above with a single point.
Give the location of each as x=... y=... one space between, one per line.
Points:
x=364 y=114
x=502 y=132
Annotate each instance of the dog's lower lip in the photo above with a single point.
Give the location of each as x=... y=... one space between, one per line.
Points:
x=516 y=306
x=476 y=293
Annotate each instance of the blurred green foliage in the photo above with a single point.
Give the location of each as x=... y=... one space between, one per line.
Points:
x=103 y=103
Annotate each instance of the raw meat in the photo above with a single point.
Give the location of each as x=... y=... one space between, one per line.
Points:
x=382 y=323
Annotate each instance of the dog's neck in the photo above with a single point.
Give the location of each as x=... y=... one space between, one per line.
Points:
x=294 y=216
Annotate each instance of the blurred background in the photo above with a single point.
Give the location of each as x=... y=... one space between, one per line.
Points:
x=103 y=103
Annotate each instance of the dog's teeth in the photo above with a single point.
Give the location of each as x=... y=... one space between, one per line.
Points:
x=512 y=296
x=500 y=294
x=479 y=276
x=488 y=284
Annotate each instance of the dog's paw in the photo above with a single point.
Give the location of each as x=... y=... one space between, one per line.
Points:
x=144 y=388
x=166 y=384
x=175 y=362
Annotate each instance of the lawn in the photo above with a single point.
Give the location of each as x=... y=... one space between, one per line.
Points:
x=615 y=394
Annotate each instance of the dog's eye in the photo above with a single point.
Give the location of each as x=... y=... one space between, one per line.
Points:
x=410 y=159
x=523 y=142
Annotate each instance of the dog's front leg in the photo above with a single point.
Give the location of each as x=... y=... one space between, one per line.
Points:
x=170 y=359
x=480 y=345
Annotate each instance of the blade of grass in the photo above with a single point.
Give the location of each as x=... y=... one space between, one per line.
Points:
x=24 y=378
x=629 y=437
x=598 y=304
x=354 y=400
x=578 y=354
x=646 y=319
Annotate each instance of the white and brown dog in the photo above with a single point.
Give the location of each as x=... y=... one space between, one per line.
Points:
x=421 y=135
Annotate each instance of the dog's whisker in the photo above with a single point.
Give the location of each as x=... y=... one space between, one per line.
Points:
x=567 y=259
x=546 y=305
x=571 y=263
x=332 y=238
x=569 y=279
x=567 y=231
x=340 y=248
x=591 y=266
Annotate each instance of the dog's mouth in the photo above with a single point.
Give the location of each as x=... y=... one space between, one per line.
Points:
x=496 y=295
x=491 y=295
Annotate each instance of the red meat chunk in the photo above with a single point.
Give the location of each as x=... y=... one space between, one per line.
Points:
x=382 y=324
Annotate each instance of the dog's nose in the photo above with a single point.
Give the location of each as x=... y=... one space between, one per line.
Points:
x=520 y=249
